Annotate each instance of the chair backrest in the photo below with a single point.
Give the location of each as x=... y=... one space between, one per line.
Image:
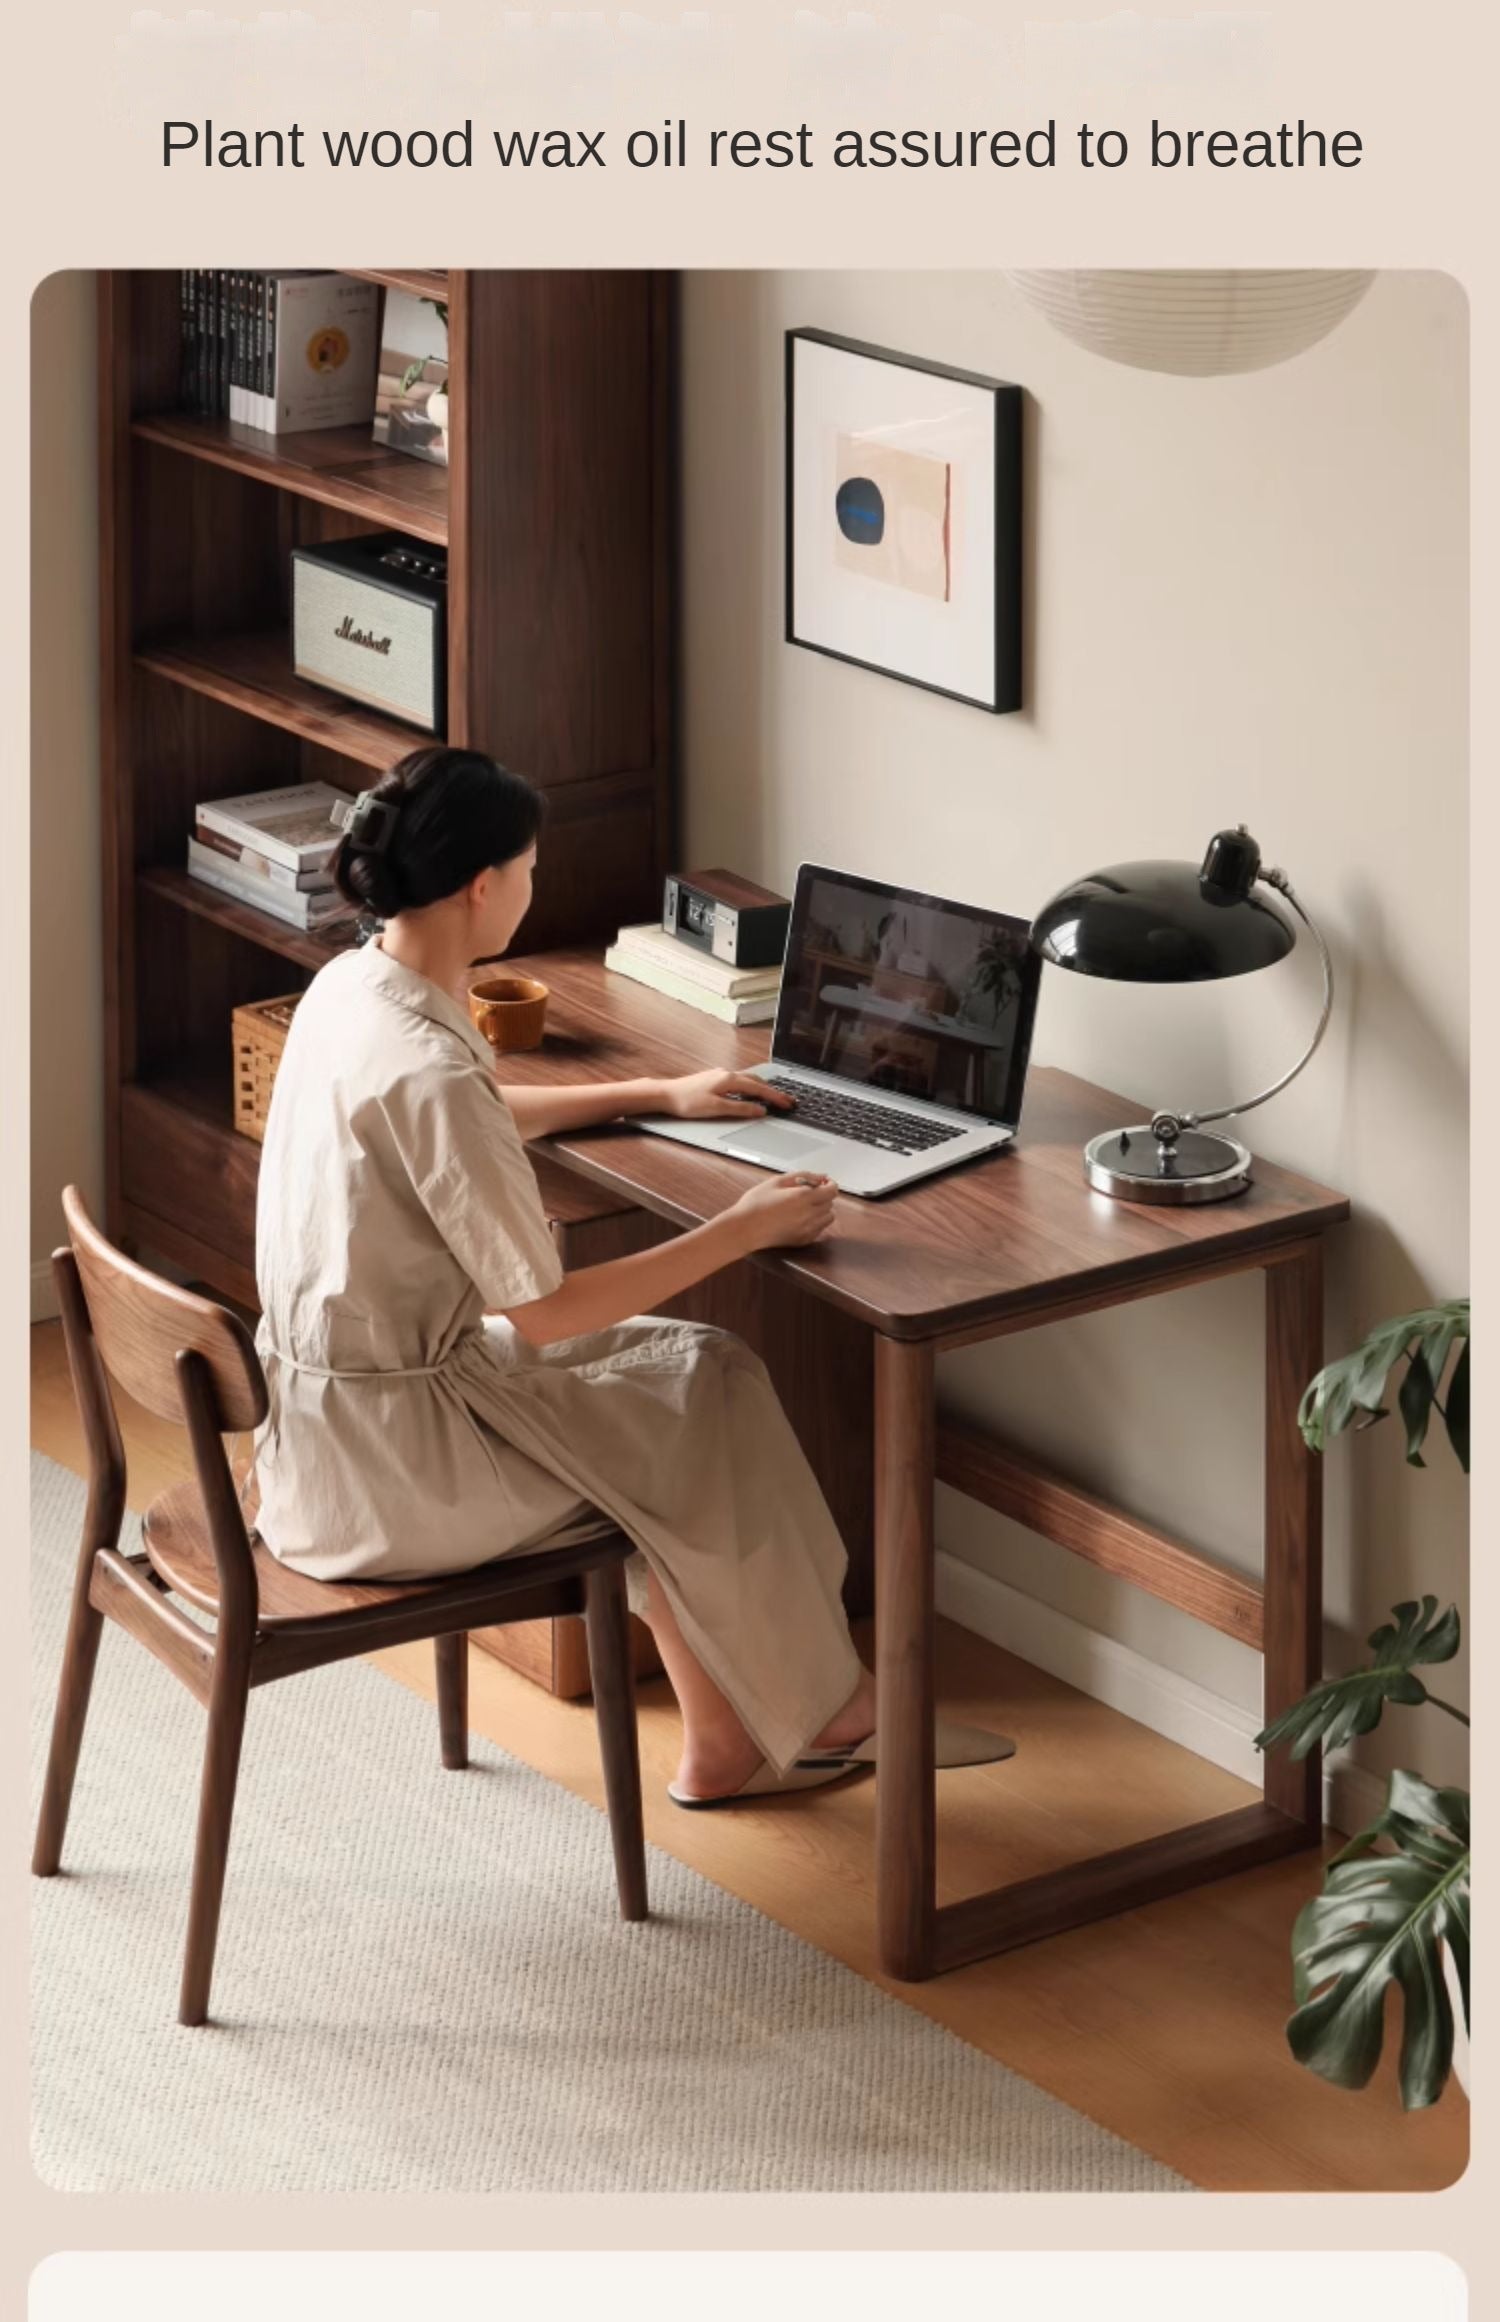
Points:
x=141 y=1323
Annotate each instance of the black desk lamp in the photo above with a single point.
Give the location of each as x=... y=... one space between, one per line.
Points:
x=1167 y=923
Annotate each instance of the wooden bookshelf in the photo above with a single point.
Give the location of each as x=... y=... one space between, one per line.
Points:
x=340 y=467
x=557 y=513
x=260 y=927
x=254 y=673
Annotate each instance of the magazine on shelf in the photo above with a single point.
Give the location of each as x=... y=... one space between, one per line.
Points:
x=254 y=864
x=293 y=826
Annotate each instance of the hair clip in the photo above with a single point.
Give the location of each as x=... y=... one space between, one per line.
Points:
x=367 y=820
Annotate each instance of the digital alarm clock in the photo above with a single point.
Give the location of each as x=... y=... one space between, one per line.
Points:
x=731 y=919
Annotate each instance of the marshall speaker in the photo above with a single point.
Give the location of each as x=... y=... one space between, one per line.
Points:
x=369 y=619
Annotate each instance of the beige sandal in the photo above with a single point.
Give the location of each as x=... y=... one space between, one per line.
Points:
x=807 y=1774
x=957 y=1745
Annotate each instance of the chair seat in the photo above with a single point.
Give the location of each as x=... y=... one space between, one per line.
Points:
x=178 y=1548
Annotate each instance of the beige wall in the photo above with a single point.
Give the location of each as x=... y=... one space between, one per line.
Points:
x=66 y=1039
x=1246 y=600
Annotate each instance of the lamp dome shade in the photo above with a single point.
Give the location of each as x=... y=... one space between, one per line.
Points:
x=1196 y=322
x=1160 y=923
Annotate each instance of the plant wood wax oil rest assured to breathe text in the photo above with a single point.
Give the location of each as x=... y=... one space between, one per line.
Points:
x=1286 y=145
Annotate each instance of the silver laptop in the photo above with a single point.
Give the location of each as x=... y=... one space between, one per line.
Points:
x=902 y=1033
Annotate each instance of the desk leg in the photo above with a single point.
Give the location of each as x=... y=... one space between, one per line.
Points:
x=1294 y=1525
x=917 y=1939
x=905 y=1659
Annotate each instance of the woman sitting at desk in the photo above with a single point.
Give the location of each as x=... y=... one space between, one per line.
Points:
x=442 y=1394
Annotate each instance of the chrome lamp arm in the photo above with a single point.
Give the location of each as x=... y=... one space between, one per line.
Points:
x=1167 y=1127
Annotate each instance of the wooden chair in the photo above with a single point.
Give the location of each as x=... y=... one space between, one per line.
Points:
x=191 y=1361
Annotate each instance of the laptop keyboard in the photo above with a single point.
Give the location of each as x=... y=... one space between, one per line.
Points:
x=865 y=1124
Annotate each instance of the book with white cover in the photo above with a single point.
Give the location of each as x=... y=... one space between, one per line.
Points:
x=759 y=1009
x=293 y=825
x=652 y=942
x=316 y=336
x=325 y=352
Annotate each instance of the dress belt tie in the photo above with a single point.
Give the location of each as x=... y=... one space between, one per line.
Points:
x=318 y=1371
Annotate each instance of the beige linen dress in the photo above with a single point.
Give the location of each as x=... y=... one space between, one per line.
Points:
x=410 y=1432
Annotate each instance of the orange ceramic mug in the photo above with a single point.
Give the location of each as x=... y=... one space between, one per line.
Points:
x=508 y=1010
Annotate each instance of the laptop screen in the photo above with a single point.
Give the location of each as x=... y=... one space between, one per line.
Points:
x=900 y=991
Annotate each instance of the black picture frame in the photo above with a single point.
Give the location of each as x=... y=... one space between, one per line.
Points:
x=1007 y=400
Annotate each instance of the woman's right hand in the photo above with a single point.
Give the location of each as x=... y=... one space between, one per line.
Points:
x=782 y=1212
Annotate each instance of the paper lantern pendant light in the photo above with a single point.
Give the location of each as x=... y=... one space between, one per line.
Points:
x=1197 y=323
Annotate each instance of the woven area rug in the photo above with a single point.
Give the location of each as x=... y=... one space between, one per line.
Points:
x=422 y=1983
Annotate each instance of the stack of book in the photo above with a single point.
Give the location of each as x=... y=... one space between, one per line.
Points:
x=273 y=849
x=284 y=351
x=734 y=995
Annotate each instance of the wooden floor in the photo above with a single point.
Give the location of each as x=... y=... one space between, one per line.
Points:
x=1164 y=2025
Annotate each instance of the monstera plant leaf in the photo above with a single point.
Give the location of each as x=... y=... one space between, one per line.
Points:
x=1381 y=1919
x=1416 y=1636
x=1351 y=1392
x=1456 y=1409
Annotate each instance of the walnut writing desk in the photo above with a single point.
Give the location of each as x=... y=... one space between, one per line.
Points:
x=1000 y=1246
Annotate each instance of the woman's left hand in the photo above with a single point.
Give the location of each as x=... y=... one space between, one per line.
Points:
x=711 y=1096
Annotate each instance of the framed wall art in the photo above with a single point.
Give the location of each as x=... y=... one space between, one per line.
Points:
x=903 y=517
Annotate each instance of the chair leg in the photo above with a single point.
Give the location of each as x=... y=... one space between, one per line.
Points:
x=452 y=1655
x=221 y=1767
x=613 y=1677
x=75 y=1684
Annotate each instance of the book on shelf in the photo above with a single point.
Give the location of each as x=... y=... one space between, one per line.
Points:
x=283 y=351
x=202 y=368
x=411 y=372
x=187 y=338
x=297 y=908
x=758 y=1008
x=292 y=826
x=254 y=864
x=652 y=942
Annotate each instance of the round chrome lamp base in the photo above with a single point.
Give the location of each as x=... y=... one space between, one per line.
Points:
x=1130 y=1165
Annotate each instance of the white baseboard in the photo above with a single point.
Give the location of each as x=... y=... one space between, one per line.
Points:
x=1157 y=1697
x=43 y=1295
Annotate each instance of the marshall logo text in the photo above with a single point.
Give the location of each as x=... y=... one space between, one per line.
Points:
x=366 y=637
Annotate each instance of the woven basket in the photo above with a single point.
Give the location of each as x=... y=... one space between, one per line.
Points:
x=260 y=1032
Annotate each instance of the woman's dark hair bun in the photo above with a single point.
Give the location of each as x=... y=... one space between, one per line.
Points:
x=448 y=815
x=363 y=868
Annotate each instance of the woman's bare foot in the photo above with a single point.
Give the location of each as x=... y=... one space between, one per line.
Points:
x=716 y=1764
x=855 y=1721
x=718 y=1756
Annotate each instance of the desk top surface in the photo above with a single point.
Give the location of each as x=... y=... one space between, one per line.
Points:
x=990 y=1244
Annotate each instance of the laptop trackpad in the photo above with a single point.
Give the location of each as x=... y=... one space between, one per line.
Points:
x=778 y=1143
